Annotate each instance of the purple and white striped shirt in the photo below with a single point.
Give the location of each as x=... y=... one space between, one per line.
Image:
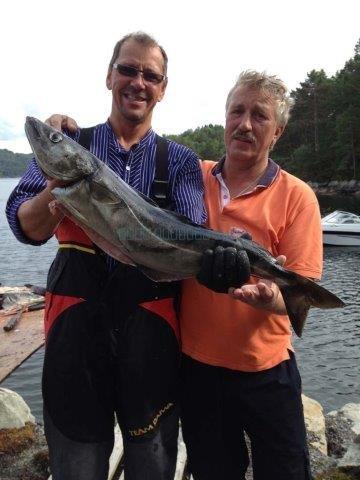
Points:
x=135 y=166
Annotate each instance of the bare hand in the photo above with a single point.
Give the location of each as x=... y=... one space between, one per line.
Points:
x=61 y=122
x=264 y=295
x=56 y=208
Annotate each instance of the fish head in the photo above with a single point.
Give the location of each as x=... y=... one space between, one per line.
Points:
x=57 y=155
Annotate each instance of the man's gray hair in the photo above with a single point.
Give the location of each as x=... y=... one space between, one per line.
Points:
x=270 y=84
x=145 y=40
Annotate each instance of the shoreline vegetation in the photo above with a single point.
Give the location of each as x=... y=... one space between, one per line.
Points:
x=321 y=143
x=15 y=165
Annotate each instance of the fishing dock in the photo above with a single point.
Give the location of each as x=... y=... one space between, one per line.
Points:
x=27 y=336
x=22 y=341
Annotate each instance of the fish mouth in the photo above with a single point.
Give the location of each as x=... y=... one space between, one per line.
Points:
x=32 y=129
x=63 y=190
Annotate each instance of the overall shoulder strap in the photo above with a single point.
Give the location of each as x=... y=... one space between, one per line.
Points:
x=86 y=137
x=159 y=189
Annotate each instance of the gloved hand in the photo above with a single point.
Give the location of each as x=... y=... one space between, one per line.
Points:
x=223 y=268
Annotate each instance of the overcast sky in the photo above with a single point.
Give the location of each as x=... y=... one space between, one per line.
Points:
x=54 y=55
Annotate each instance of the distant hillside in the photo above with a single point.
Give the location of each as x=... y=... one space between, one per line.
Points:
x=13 y=164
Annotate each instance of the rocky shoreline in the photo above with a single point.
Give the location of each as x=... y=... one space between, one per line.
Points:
x=334 y=441
x=23 y=449
x=337 y=187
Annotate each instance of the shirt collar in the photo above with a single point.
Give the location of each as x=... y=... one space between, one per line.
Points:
x=265 y=180
x=147 y=138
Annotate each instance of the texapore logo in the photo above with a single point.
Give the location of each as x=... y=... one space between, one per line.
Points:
x=152 y=425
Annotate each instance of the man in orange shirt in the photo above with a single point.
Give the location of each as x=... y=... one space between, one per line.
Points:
x=239 y=372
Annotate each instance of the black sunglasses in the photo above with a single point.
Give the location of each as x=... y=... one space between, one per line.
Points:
x=133 y=72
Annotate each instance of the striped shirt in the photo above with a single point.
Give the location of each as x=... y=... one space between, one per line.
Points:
x=135 y=166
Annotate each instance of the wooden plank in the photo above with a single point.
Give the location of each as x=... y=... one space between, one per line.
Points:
x=18 y=344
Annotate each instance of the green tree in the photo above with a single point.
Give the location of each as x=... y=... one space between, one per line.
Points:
x=13 y=164
x=206 y=141
x=347 y=143
x=312 y=125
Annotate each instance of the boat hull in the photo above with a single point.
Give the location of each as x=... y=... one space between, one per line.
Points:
x=344 y=239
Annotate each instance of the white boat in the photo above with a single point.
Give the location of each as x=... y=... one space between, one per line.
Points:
x=341 y=228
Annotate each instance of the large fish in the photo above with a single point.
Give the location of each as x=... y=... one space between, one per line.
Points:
x=132 y=229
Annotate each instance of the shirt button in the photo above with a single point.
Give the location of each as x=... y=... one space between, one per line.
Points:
x=127 y=167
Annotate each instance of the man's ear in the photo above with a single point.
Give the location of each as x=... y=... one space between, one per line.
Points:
x=163 y=90
x=278 y=132
x=108 y=79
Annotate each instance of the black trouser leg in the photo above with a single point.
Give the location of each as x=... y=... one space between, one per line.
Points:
x=72 y=460
x=147 y=395
x=153 y=457
x=218 y=405
x=216 y=450
x=275 y=425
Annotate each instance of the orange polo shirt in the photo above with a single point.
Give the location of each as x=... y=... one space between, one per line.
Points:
x=282 y=214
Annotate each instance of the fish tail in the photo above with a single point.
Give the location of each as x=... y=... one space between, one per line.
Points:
x=305 y=294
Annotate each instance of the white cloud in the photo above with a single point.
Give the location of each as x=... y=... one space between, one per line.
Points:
x=54 y=58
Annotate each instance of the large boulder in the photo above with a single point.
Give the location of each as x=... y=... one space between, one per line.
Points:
x=315 y=424
x=23 y=450
x=17 y=424
x=316 y=436
x=343 y=434
x=14 y=412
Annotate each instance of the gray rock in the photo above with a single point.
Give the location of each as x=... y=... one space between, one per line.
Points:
x=14 y=412
x=339 y=434
x=320 y=463
x=315 y=424
x=343 y=433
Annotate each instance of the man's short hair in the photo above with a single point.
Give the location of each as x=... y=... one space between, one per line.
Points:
x=145 y=40
x=270 y=84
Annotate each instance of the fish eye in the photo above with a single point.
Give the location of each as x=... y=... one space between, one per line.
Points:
x=56 y=137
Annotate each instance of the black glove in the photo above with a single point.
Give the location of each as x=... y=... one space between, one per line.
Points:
x=223 y=268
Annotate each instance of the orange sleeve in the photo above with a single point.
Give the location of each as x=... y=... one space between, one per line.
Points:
x=302 y=242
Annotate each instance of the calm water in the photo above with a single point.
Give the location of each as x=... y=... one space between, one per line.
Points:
x=328 y=355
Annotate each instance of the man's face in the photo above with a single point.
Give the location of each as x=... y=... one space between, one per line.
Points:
x=251 y=127
x=134 y=98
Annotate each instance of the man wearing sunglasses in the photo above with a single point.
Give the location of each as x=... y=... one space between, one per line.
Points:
x=120 y=354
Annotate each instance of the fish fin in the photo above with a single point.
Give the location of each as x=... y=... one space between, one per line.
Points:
x=184 y=219
x=305 y=294
x=146 y=198
x=297 y=308
x=106 y=246
x=179 y=216
x=157 y=276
